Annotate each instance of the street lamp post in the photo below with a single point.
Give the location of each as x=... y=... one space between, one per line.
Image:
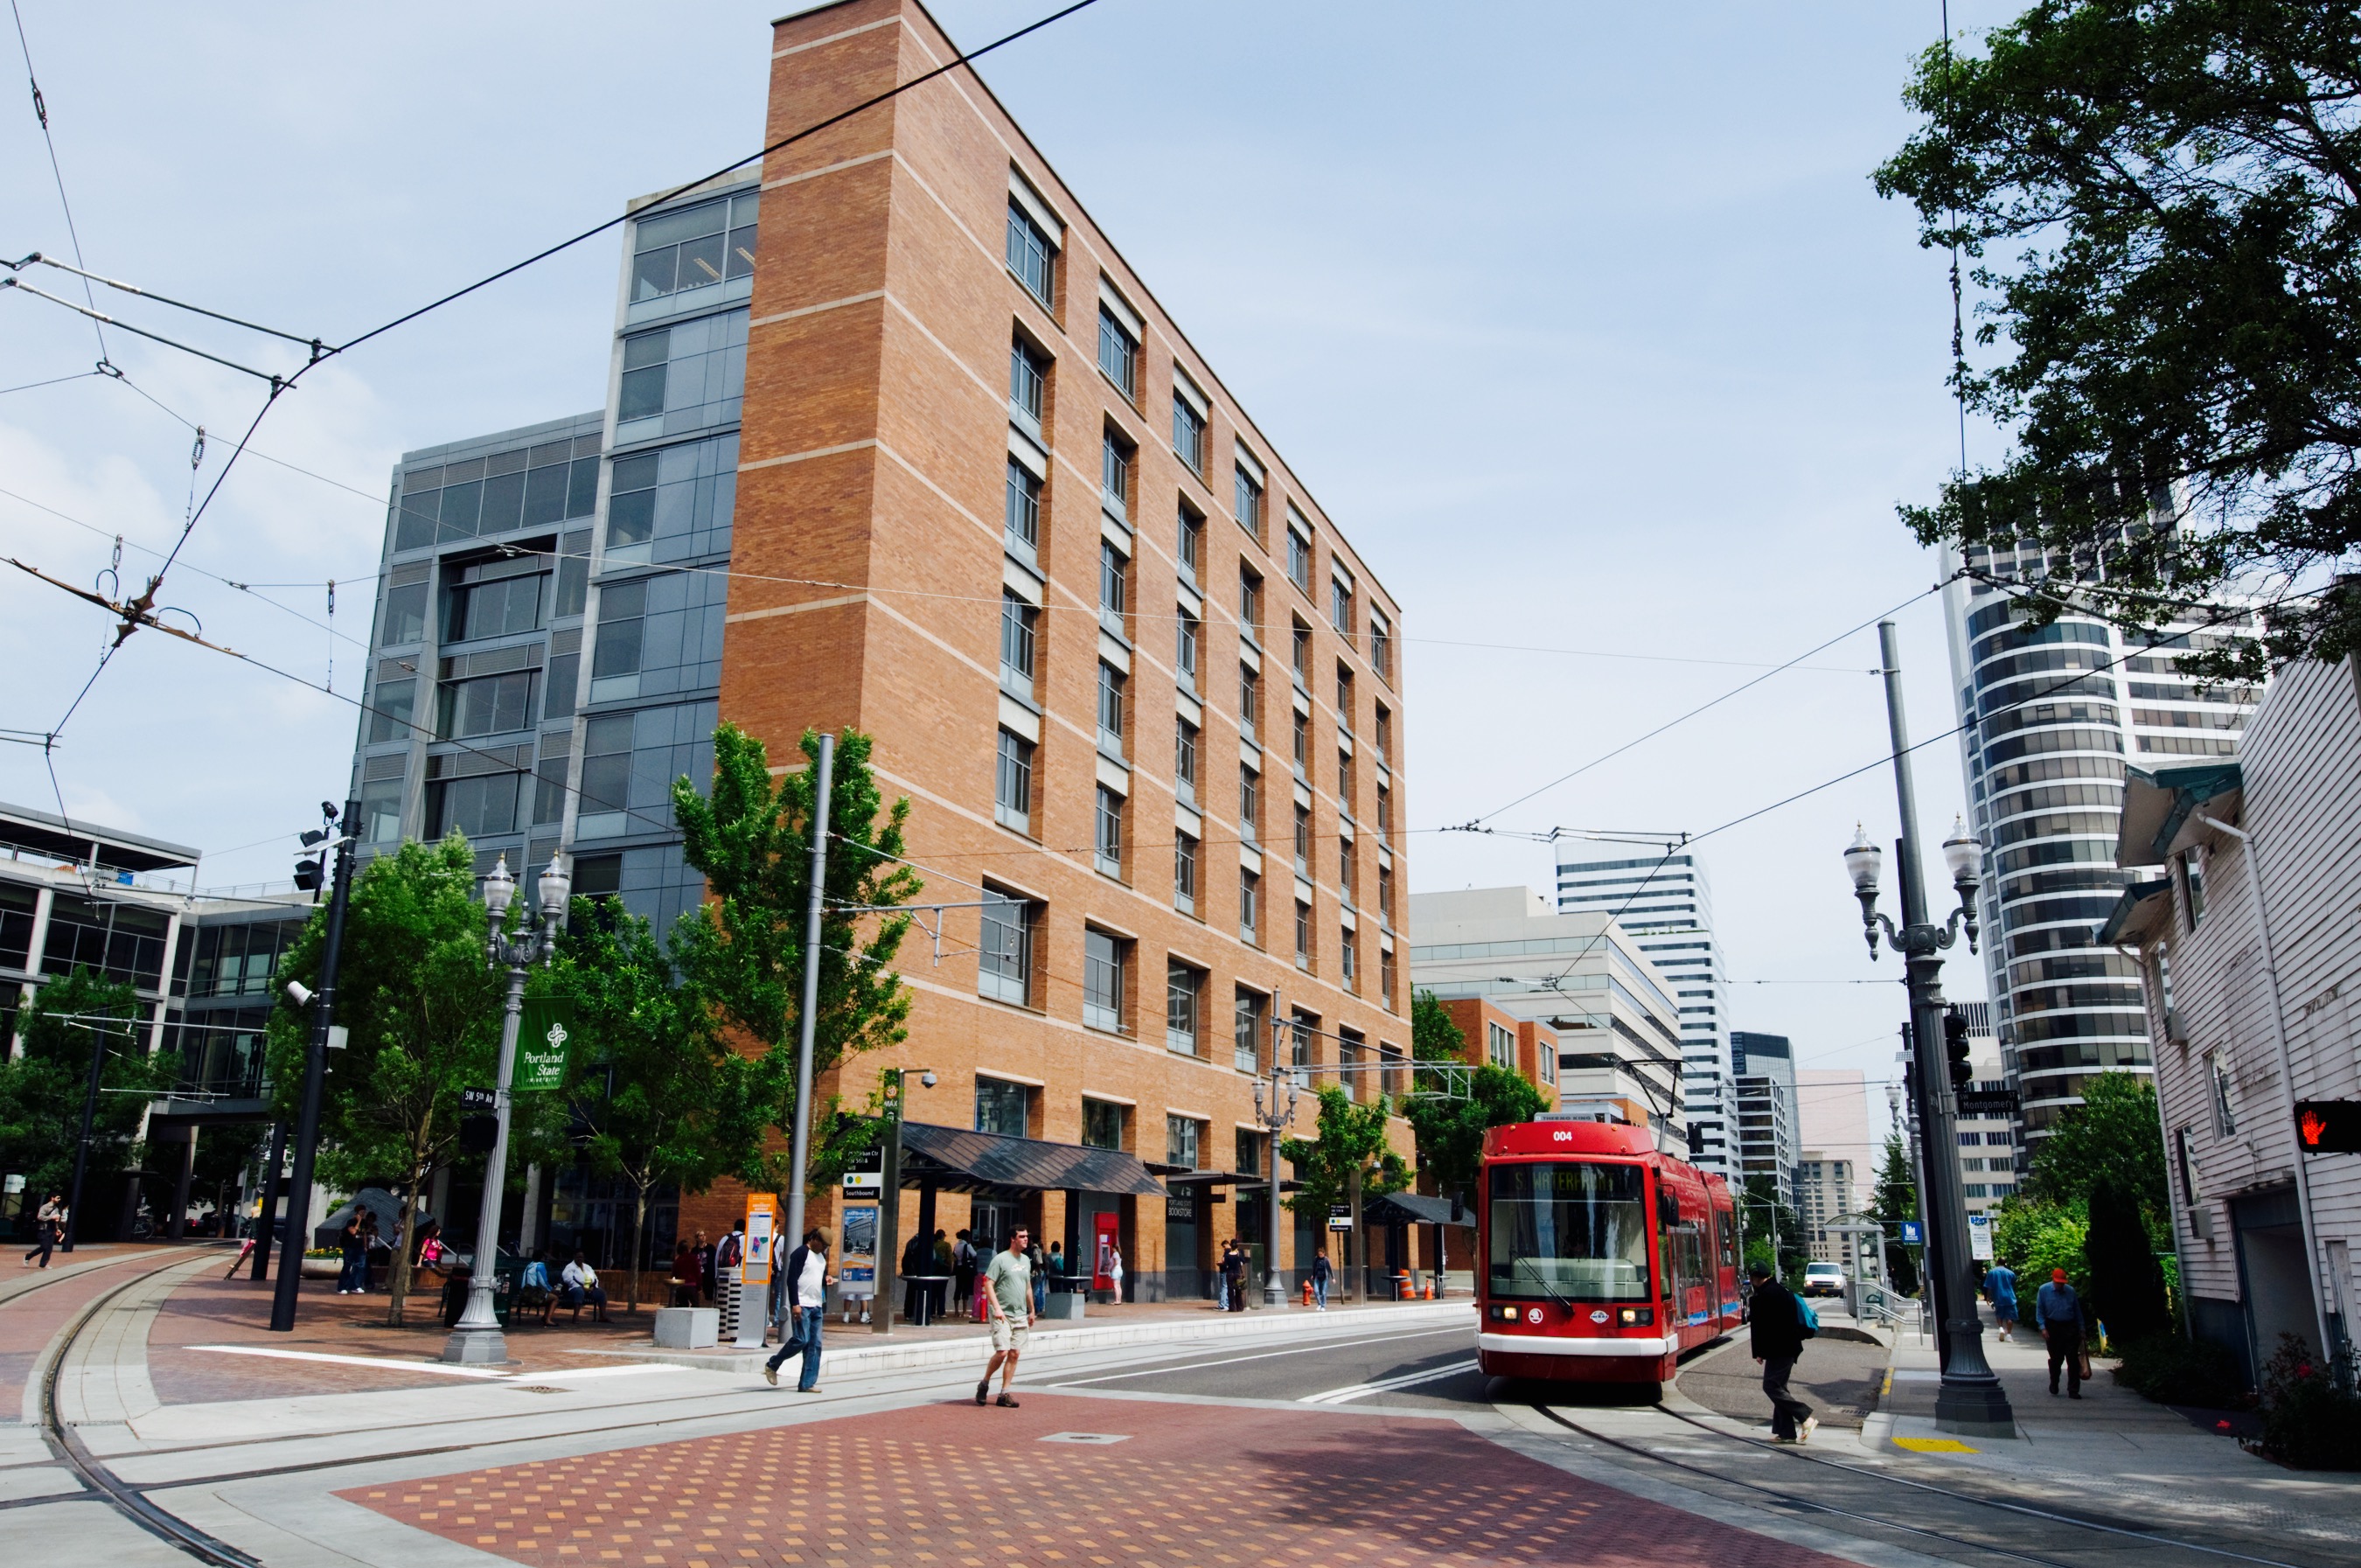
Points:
x=1970 y=1400
x=1276 y=1116
x=477 y=1339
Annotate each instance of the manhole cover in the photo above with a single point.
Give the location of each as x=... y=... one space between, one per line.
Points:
x=1097 y=1437
x=536 y=1389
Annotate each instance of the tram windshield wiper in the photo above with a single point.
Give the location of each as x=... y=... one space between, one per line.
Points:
x=1564 y=1305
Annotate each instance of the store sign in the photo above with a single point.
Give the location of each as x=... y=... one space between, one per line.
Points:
x=541 y=1042
x=1181 y=1205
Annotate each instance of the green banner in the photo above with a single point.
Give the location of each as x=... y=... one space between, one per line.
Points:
x=542 y=1044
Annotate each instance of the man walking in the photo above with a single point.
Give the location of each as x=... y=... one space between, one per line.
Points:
x=2000 y=1289
x=2059 y=1311
x=48 y=1226
x=1008 y=1304
x=808 y=1281
x=1778 y=1334
x=1323 y=1271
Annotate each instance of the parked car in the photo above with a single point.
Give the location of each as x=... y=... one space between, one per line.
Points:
x=1824 y=1279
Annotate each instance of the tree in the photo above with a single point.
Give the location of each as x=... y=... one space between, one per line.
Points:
x=2172 y=189
x=741 y=953
x=1448 y=1132
x=423 y=1010
x=2126 y=1286
x=1349 y=1162
x=43 y=1089
x=1433 y=1035
x=2033 y=1236
x=225 y=1154
x=1767 y=1211
x=2114 y=1135
x=654 y=1095
x=1897 y=1201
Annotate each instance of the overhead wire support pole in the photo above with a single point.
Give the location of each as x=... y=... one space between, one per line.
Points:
x=823 y=782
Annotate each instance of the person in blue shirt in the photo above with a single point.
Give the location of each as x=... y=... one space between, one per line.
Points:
x=2000 y=1289
x=2059 y=1311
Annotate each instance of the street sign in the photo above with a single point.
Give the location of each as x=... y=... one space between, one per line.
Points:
x=1988 y=1103
x=1340 y=1216
x=865 y=1176
x=541 y=1042
x=1980 y=1237
x=1910 y=1236
x=478 y=1102
x=2328 y=1126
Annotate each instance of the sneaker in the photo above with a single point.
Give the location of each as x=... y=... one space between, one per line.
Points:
x=1804 y=1433
x=771 y=1374
x=2074 y=1394
x=1783 y=1441
x=813 y=1389
x=1007 y=1402
x=983 y=1391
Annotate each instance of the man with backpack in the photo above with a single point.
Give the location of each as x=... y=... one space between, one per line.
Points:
x=1781 y=1324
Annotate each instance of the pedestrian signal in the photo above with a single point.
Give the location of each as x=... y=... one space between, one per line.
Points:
x=1955 y=1048
x=2328 y=1126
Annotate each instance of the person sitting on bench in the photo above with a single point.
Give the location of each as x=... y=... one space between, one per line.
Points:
x=580 y=1287
x=533 y=1294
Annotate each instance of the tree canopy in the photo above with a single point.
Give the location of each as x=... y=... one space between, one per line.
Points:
x=1897 y=1201
x=2163 y=198
x=43 y=1088
x=1449 y=1131
x=2114 y=1135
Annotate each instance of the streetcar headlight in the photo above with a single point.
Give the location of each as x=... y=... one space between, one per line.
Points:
x=1631 y=1316
x=1506 y=1315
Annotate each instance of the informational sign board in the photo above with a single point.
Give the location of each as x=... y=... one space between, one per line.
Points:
x=856 y=1256
x=865 y=1176
x=1104 y=1230
x=1340 y=1216
x=541 y=1040
x=1980 y=1237
x=1910 y=1234
x=761 y=1220
x=1181 y=1205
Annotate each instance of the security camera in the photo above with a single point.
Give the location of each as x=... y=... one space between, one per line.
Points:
x=299 y=993
x=926 y=1081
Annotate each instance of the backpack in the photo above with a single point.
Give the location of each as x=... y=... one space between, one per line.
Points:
x=1807 y=1321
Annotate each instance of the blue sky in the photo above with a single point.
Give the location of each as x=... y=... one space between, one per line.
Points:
x=1582 y=320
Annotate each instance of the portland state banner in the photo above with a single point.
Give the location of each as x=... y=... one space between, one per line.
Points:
x=542 y=1043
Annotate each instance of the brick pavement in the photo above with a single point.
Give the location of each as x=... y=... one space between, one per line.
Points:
x=1187 y=1486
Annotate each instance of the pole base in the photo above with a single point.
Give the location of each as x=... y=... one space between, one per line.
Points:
x=1974 y=1407
x=475 y=1347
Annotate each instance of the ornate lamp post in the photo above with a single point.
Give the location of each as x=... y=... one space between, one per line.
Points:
x=1970 y=1400
x=477 y=1338
x=1276 y=1116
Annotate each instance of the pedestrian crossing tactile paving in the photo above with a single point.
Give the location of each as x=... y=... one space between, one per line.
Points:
x=956 y=1486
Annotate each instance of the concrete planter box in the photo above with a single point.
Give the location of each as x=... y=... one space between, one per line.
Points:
x=1066 y=1305
x=688 y=1328
x=322 y=1268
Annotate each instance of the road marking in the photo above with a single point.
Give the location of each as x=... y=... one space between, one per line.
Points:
x=1352 y=1391
x=1265 y=1355
x=1934 y=1445
x=383 y=1363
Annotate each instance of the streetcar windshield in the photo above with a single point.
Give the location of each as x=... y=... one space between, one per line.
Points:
x=1573 y=1232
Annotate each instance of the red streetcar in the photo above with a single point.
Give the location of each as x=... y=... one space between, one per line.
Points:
x=1599 y=1259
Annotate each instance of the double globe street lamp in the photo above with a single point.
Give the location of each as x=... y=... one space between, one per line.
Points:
x=477 y=1339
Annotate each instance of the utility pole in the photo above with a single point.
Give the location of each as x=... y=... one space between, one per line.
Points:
x=1276 y=1117
x=82 y=1144
x=265 y=1225
x=822 y=783
x=315 y=1068
x=1970 y=1400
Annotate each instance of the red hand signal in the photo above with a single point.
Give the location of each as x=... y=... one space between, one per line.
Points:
x=2313 y=1127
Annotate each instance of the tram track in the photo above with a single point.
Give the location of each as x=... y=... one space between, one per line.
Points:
x=1803 y=1501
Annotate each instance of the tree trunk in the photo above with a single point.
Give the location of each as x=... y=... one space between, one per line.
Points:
x=397 y=1281
x=639 y=1243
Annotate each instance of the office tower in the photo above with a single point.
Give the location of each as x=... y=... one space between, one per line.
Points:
x=1769 y=1133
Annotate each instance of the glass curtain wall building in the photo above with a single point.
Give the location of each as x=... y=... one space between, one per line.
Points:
x=548 y=630
x=1665 y=905
x=2050 y=717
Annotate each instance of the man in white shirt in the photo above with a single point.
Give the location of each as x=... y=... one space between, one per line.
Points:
x=807 y=1280
x=580 y=1283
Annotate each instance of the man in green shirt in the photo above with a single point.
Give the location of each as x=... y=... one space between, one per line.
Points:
x=1008 y=1306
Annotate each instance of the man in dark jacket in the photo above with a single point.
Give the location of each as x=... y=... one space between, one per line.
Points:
x=1778 y=1333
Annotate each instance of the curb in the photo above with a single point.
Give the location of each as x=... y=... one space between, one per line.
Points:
x=976 y=1348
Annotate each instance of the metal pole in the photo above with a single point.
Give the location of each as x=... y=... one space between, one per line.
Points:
x=1274 y=1294
x=1970 y=1400
x=477 y=1339
x=265 y=1225
x=889 y=1217
x=315 y=1068
x=806 y=1015
x=82 y=1145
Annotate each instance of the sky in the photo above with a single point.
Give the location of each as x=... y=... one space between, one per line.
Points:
x=1583 y=321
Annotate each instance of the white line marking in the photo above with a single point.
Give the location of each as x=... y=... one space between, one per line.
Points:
x=576 y=1374
x=384 y=1363
x=1265 y=1355
x=1362 y=1390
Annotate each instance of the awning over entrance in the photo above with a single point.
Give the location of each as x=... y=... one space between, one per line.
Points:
x=953 y=1159
x=1410 y=1209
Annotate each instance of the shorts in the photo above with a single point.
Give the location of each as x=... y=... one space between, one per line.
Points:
x=1007 y=1333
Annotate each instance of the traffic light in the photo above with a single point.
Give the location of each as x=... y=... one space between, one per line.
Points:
x=1955 y=1049
x=308 y=876
x=2328 y=1126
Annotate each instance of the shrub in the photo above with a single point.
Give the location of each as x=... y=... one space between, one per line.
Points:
x=2310 y=1419
x=2175 y=1371
x=2126 y=1286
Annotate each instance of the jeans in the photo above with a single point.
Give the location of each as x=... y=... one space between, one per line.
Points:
x=354 y=1276
x=1040 y=1296
x=1320 y=1294
x=1785 y=1409
x=803 y=1335
x=2065 y=1345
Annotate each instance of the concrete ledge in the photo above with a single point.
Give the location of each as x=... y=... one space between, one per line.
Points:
x=975 y=1348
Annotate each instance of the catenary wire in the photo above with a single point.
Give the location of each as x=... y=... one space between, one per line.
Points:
x=56 y=171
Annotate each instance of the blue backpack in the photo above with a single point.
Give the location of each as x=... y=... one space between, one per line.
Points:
x=1807 y=1321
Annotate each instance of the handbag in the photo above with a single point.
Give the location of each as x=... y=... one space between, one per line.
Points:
x=2082 y=1362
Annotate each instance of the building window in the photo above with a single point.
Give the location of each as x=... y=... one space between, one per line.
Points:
x=1499 y=1046
x=2192 y=882
x=1184 y=995
x=704 y=244
x=1344 y=698
x=1115 y=586
x=1188 y=434
x=1184 y=872
x=1249 y=699
x=1110 y=684
x=1005 y=950
x=1299 y=654
x=1348 y=960
x=1305 y=1027
x=1302 y=747
x=1303 y=840
x=405 y=615
x=1103 y=964
x=1028 y=378
x=2226 y=1119
x=1349 y=1063
x=1012 y=785
x=1385 y=895
x=615 y=656
x=1191 y=545
x=1019 y=624
x=1182 y=1141
x=1249 y=803
x=1245 y=1034
x=391 y=708
x=1185 y=759
x=1299 y=558
x=606 y=768
x=1249 y=501
x=510 y=603
x=492 y=705
x=1115 y=474
x=1386 y=988
x=1119 y=355
x=1003 y=1108
x=479 y=806
x=1381 y=645
x=1032 y=255
x=1102 y=1124
x=1340 y=608
x=1187 y=636
x=381 y=811
x=1024 y=520
x=1389 y=1078
x=1385 y=737
x=1302 y=935
x=1250 y=604
x=1249 y=906
x=1345 y=870
x=1344 y=781
x=1385 y=809
x=1106 y=842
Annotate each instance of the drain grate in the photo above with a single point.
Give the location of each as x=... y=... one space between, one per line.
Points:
x=536 y=1389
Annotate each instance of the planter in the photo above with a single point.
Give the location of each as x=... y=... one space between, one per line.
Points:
x=322 y=1268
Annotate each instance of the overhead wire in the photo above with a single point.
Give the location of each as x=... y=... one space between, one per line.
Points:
x=57 y=170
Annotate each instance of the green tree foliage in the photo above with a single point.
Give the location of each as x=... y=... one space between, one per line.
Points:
x=741 y=953
x=2114 y=1135
x=1763 y=1212
x=2034 y=1235
x=654 y=1095
x=423 y=1009
x=2126 y=1286
x=1349 y=1162
x=43 y=1089
x=1897 y=1201
x=1433 y=1035
x=2167 y=195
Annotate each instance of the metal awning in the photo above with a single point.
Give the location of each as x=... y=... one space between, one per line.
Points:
x=957 y=1160
x=1183 y=1176
x=1413 y=1209
x=2139 y=911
